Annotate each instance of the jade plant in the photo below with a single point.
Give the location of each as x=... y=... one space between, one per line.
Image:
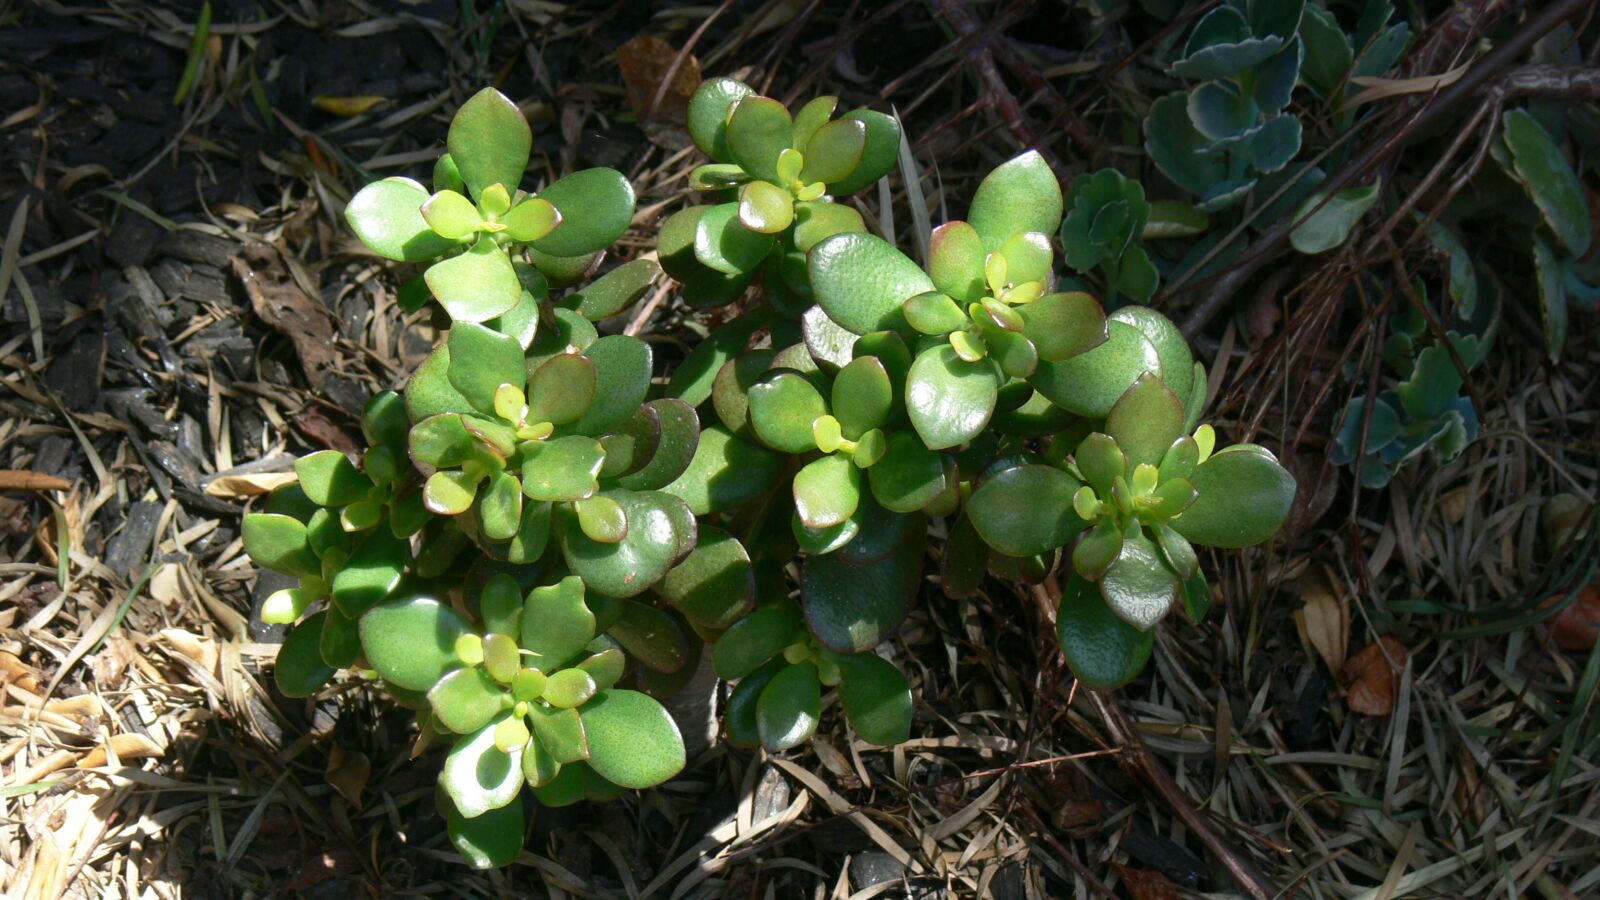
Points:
x=544 y=537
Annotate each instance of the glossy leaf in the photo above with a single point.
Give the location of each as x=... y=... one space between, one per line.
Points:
x=1177 y=148
x=560 y=732
x=715 y=584
x=614 y=291
x=1103 y=651
x=790 y=705
x=1090 y=383
x=782 y=408
x=1177 y=361
x=759 y=129
x=909 y=476
x=622 y=380
x=1026 y=510
x=476 y=285
x=679 y=436
x=411 y=642
x=708 y=115
x=1245 y=497
x=740 y=714
x=466 y=700
x=596 y=207
x=765 y=208
x=569 y=688
x=878 y=155
x=725 y=472
x=429 y=392
x=492 y=839
x=632 y=565
x=564 y=468
x=861 y=280
x=834 y=151
x=371 y=574
x=948 y=399
x=279 y=543
x=827 y=491
x=489 y=141
x=1146 y=420
x=1138 y=587
x=562 y=389
x=875 y=697
x=1064 y=325
x=300 y=669
x=817 y=221
x=556 y=624
x=481 y=361
x=756 y=638
x=479 y=776
x=633 y=742
x=725 y=244
x=853 y=605
x=387 y=216
x=1021 y=195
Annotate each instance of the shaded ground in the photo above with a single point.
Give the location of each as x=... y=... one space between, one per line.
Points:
x=203 y=316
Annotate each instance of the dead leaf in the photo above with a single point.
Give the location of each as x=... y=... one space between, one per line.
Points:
x=348 y=772
x=345 y=107
x=14 y=671
x=280 y=302
x=1372 y=677
x=1324 y=620
x=1079 y=817
x=645 y=62
x=1576 y=627
x=242 y=487
x=1377 y=88
x=111 y=664
x=21 y=480
x=322 y=431
x=127 y=746
x=1143 y=885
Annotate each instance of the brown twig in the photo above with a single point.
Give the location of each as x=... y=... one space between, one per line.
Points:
x=980 y=55
x=1566 y=82
x=1140 y=762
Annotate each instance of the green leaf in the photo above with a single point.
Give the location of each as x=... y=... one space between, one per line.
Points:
x=834 y=151
x=1021 y=195
x=560 y=732
x=479 y=776
x=878 y=156
x=726 y=472
x=723 y=243
x=451 y=215
x=1177 y=361
x=743 y=728
x=614 y=291
x=466 y=700
x=500 y=604
x=476 y=285
x=934 y=313
x=500 y=507
x=1552 y=295
x=756 y=638
x=949 y=399
x=533 y=533
x=1146 y=420
x=563 y=331
x=1330 y=226
x=1328 y=54
x=429 y=392
x=830 y=346
x=596 y=207
x=652 y=636
x=715 y=585
x=790 y=705
x=446 y=177
x=633 y=742
x=1177 y=148
x=955 y=261
x=693 y=380
x=708 y=115
x=387 y=216
x=817 y=220
x=811 y=117
x=1549 y=179
x=1026 y=510
x=632 y=565
x=1028 y=257
x=1064 y=325
x=1245 y=497
x=622 y=380
x=759 y=129
x=853 y=604
x=531 y=219
x=559 y=271
x=632 y=443
x=679 y=437
x=491 y=840
x=1174 y=219
x=765 y=208
x=341 y=642
x=569 y=688
x=826 y=491
x=372 y=573
x=563 y=468
x=412 y=642
x=909 y=476
x=279 y=543
x=561 y=389
x=1139 y=587
x=300 y=669
x=861 y=280
x=481 y=361
x=875 y=697
x=863 y=396
x=489 y=141
x=556 y=624
x=1090 y=383
x=1103 y=651
x=782 y=408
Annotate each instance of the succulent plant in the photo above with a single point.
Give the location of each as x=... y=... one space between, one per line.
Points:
x=541 y=538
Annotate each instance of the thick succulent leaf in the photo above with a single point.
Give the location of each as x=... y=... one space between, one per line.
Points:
x=1174 y=219
x=479 y=776
x=828 y=343
x=371 y=573
x=499 y=507
x=569 y=688
x=1021 y=195
x=861 y=280
x=765 y=208
x=531 y=219
x=878 y=156
x=693 y=380
x=451 y=215
x=1219 y=111
x=1103 y=651
x=412 y=642
x=740 y=715
x=429 y=392
x=559 y=271
x=492 y=839
x=489 y=141
x=909 y=476
x=715 y=584
x=300 y=669
x=1026 y=510
x=723 y=243
x=596 y=206
x=279 y=542
x=850 y=606
x=1090 y=383
x=827 y=491
x=632 y=443
x=481 y=361
x=560 y=733
x=564 y=331
x=834 y=151
x=622 y=371
x=1146 y=420
x=811 y=117
x=955 y=261
x=759 y=129
x=564 y=468
x=1223 y=60
x=556 y=624
x=466 y=700
x=1139 y=587
x=477 y=285
x=949 y=399
x=679 y=436
x=1330 y=225
x=1328 y=55
x=875 y=697
x=815 y=221
x=1064 y=325
x=1549 y=180
x=1276 y=78
x=790 y=705
x=726 y=472
x=652 y=636
x=562 y=388
x=614 y=291
x=782 y=408
x=633 y=742
x=387 y=216
x=756 y=638
x=1245 y=497
x=636 y=562
x=1175 y=146
x=1552 y=295
x=708 y=115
